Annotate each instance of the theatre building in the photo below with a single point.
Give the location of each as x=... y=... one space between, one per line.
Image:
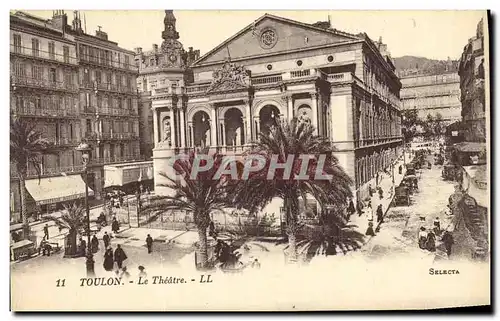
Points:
x=343 y=84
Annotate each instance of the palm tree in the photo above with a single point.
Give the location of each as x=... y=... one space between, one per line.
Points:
x=74 y=219
x=200 y=196
x=26 y=148
x=294 y=139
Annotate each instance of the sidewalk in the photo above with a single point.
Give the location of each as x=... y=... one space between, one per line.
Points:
x=386 y=185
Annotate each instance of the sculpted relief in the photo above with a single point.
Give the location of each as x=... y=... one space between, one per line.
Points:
x=167 y=132
x=230 y=76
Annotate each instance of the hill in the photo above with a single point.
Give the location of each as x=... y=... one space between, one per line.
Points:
x=411 y=65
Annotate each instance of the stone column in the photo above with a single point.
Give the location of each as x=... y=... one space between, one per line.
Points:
x=172 y=126
x=257 y=122
x=223 y=133
x=289 y=100
x=213 y=127
x=314 y=111
x=190 y=134
x=183 y=130
x=248 y=122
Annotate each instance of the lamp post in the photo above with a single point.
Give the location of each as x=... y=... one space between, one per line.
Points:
x=404 y=141
x=85 y=149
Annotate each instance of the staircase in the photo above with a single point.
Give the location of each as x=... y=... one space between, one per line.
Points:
x=476 y=224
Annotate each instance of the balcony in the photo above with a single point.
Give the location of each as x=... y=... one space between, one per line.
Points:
x=43 y=55
x=111 y=136
x=300 y=73
x=31 y=173
x=340 y=77
x=197 y=88
x=62 y=142
x=168 y=91
x=22 y=81
x=93 y=85
x=44 y=112
x=267 y=80
x=107 y=63
x=116 y=159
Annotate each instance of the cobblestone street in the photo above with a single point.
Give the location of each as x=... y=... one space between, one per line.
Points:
x=399 y=232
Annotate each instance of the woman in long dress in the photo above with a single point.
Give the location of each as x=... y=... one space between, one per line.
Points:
x=108 y=259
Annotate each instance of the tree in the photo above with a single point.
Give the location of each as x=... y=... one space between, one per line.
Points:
x=294 y=139
x=410 y=123
x=438 y=125
x=74 y=219
x=200 y=195
x=26 y=148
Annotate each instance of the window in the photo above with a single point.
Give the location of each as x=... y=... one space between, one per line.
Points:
x=35 y=47
x=68 y=79
x=129 y=103
x=98 y=76
x=89 y=126
x=127 y=61
x=17 y=43
x=52 y=75
x=145 y=85
x=107 y=57
x=20 y=69
x=87 y=99
x=37 y=72
x=99 y=101
x=120 y=103
x=66 y=54
x=86 y=77
x=52 y=50
x=110 y=102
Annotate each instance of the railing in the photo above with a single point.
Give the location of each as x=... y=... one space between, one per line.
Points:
x=340 y=77
x=108 y=87
x=108 y=63
x=300 y=73
x=41 y=83
x=116 y=159
x=168 y=90
x=31 y=173
x=44 y=112
x=110 y=135
x=197 y=88
x=41 y=54
x=115 y=111
x=267 y=80
x=62 y=141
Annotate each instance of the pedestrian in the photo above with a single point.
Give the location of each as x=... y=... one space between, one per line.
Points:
x=120 y=256
x=94 y=244
x=370 y=190
x=448 y=242
x=437 y=226
x=46 y=232
x=380 y=213
x=149 y=243
x=142 y=272
x=115 y=226
x=125 y=274
x=83 y=246
x=351 y=210
x=369 y=211
x=422 y=238
x=108 y=259
x=359 y=208
x=211 y=230
x=380 y=192
x=430 y=244
x=256 y=264
x=400 y=169
x=105 y=239
x=369 y=230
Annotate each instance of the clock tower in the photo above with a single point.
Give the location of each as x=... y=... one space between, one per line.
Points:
x=169 y=22
x=171 y=48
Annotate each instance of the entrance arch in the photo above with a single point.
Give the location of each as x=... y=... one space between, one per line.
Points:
x=234 y=127
x=201 y=129
x=269 y=115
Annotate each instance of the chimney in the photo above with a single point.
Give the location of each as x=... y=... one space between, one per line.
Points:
x=138 y=50
x=101 y=34
x=59 y=20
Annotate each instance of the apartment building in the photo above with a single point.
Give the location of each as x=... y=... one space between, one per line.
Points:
x=74 y=86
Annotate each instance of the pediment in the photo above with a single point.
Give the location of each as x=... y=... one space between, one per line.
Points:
x=271 y=35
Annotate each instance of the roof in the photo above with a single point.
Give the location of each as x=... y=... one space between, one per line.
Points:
x=285 y=20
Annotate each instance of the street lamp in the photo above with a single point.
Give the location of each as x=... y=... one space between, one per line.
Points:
x=85 y=149
x=404 y=141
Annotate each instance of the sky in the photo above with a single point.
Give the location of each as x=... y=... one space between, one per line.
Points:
x=430 y=34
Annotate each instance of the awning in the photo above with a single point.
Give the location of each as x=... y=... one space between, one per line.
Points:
x=51 y=190
x=121 y=174
x=470 y=147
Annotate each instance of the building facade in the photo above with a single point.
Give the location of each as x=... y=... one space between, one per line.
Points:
x=343 y=84
x=472 y=73
x=76 y=87
x=432 y=95
x=161 y=67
